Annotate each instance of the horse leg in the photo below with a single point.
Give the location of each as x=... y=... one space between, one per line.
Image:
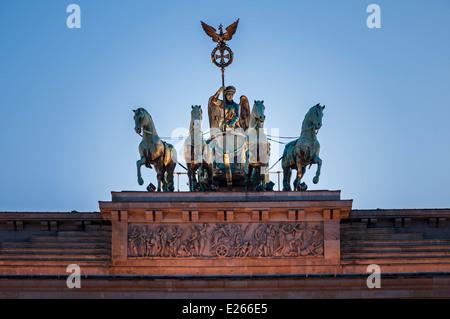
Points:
x=192 y=180
x=300 y=172
x=164 y=180
x=318 y=161
x=298 y=181
x=189 y=173
x=262 y=174
x=287 y=178
x=205 y=179
x=248 y=177
x=201 y=178
x=170 y=170
x=139 y=163
x=209 y=172
x=259 y=176
x=160 y=178
x=159 y=175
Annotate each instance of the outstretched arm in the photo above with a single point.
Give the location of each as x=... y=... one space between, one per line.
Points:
x=215 y=98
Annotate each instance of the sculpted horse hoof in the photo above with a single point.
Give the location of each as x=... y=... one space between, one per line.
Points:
x=140 y=181
x=316 y=179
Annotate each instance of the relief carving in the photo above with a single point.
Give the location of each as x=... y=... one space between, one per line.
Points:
x=226 y=240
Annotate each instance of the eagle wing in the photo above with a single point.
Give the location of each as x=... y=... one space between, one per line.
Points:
x=244 y=118
x=231 y=30
x=209 y=30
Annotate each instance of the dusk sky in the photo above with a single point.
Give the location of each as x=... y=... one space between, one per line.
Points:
x=66 y=95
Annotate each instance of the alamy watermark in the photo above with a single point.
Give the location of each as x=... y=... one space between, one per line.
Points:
x=253 y=142
x=74 y=279
x=374 y=19
x=74 y=19
x=374 y=280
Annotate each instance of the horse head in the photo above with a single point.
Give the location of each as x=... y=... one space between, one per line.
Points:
x=196 y=118
x=257 y=116
x=143 y=119
x=139 y=119
x=313 y=119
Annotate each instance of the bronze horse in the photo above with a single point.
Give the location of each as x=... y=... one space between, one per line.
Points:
x=304 y=151
x=197 y=153
x=154 y=151
x=257 y=149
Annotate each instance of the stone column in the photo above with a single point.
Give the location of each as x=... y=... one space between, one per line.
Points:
x=119 y=239
x=332 y=240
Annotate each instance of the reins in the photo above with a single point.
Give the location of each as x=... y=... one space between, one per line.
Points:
x=148 y=132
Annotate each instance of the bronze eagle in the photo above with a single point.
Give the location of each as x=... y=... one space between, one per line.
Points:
x=220 y=37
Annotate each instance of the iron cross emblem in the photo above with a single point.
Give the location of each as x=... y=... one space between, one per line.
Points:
x=222 y=56
x=225 y=56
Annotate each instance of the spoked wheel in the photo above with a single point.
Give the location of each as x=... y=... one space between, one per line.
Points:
x=221 y=251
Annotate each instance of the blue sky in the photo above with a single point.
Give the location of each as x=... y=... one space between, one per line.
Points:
x=66 y=95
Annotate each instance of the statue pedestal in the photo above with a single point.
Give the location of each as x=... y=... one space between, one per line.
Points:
x=225 y=233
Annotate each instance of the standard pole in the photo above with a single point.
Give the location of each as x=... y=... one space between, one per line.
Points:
x=223 y=97
x=226 y=159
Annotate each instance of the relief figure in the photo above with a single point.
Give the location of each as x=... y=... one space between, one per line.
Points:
x=226 y=240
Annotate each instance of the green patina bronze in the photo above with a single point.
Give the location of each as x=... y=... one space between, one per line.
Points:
x=238 y=151
x=154 y=151
x=304 y=151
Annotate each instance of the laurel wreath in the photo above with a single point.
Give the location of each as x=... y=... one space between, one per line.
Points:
x=224 y=48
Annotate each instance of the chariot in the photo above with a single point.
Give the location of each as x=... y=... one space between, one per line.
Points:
x=228 y=158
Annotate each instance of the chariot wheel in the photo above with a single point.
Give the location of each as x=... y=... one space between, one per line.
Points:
x=221 y=251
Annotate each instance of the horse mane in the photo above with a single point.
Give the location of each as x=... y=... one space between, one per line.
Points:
x=191 y=125
x=151 y=125
x=305 y=122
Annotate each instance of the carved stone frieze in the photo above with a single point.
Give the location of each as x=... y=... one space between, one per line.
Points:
x=226 y=240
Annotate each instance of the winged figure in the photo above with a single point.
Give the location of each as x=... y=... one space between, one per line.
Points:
x=220 y=37
x=236 y=115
